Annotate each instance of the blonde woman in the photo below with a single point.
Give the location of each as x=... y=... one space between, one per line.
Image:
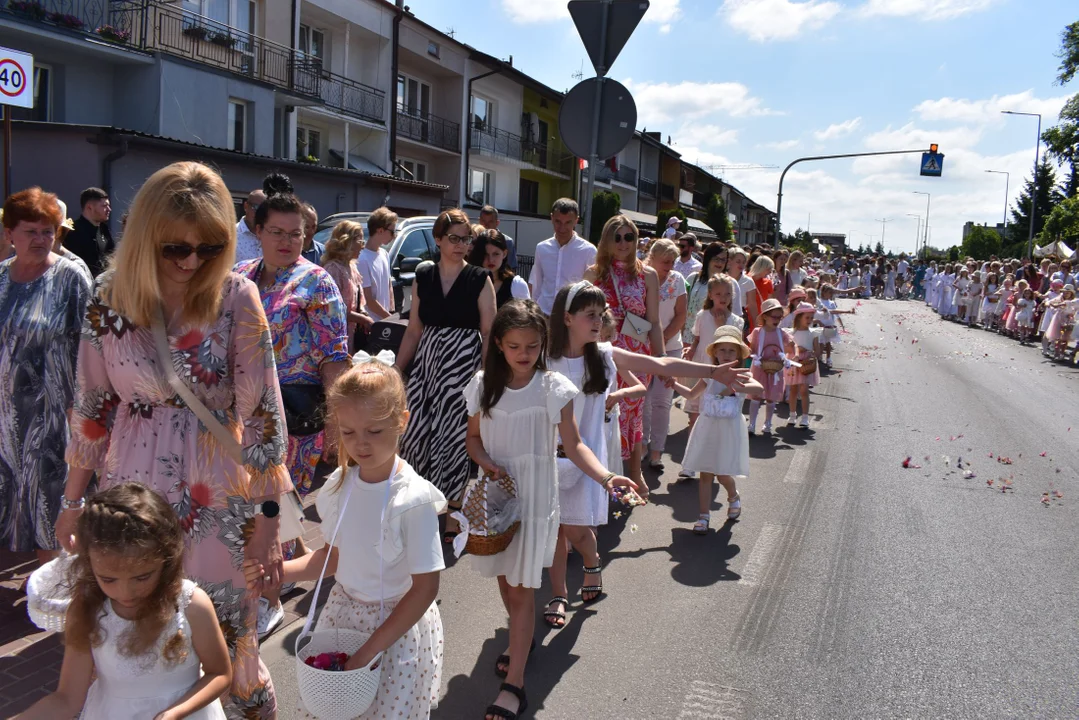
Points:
x=339 y=260
x=744 y=305
x=174 y=269
x=761 y=274
x=662 y=257
x=630 y=287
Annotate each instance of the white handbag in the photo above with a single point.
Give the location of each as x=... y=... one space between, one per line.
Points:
x=633 y=326
x=719 y=406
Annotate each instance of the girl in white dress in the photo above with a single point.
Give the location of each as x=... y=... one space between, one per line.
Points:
x=387 y=556
x=927 y=283
x=961 y=296
x=1024 y=314
x=990 y=298
x=718 y=445
x=974 y=298
x=140 y=640
x=517 y=411
x=718 y=310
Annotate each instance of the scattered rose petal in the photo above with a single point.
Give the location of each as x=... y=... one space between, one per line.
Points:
x=633 y=528
x=1042 y=454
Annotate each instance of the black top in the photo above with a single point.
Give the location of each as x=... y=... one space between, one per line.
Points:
x=91 y=243
x=461 y=308
x=505 y=293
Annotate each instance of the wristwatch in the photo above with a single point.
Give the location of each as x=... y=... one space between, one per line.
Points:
x=269 y=509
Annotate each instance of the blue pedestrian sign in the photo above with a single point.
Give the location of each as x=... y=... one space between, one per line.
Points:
x=932 y=164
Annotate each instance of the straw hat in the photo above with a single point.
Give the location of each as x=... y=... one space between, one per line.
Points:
x=766 y=307
x=728 y=335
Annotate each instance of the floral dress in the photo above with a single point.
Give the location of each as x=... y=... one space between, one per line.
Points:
x=350 y=284
x=697 y=294
x=633 y=293
x=307 y=319
x=121 y=393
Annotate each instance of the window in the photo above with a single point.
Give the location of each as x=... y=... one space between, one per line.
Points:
x=433 y=49
x=412 y=169
x=413 y=96
x=42 y=110
x=479 y=186
x=483 y=114
x=239 y=14
x=313 y=43
x=414 y=245
x=308 y=143
x=237 y=125
x=528 y=196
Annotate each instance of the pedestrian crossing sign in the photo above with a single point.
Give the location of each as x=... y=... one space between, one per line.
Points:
x=932 y=164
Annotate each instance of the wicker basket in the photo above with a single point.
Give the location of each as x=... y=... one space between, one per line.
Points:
x=475 y=511
x=809 y=366
x=335 y=695
x=771 y=366
x=48 y=594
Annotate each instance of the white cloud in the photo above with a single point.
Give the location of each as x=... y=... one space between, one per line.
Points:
x=659 y=103
x=924 y=9
x=764 y=20
x=838 y=130
x=782 y=144
x=706 y=136
x=665 y=28
x=989 y=110
x=662 y=12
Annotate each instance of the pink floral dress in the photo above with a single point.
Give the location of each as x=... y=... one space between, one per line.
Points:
x=633 y=293
x=121 y=394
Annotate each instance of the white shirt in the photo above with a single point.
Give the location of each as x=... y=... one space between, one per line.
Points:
x=555 y=265
x=248 y=246
x=902 y=267
x=687 y=268
x=375 y=270
x=670 y=231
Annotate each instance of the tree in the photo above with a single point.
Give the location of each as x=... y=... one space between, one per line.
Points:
x=716 y=217
x=1062 y=223
x=799 y=240
x=981 y=243
x=1069 y=54
x=1048 y=198
x=879 y=248
x=953 y=253
x=605 y=205
x=1062 y=144
x=664 y=215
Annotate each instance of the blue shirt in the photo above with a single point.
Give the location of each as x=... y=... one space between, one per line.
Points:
x=315 y=253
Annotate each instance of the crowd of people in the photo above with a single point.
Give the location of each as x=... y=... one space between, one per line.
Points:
x=170 y=397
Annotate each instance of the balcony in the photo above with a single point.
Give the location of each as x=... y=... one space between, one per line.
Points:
x=430 y=129
x=666 y=192
x=96 y=18
x=604 y=174
x=626 y=175
x=647 y=187
x=338 y=92
x=550 y=156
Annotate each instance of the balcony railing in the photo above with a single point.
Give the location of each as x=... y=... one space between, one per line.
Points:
x=430 y=129
x=604 y=174
x=626 y=175
x=647 y=187
x=98 y=18
x=547 y=156
x=351 y=97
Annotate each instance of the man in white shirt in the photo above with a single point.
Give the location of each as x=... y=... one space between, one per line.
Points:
x=560 y=259
x=374 y=263
x=687 y=263
x=248 y=246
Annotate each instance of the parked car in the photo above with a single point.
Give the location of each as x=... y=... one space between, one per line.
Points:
x=327 y=224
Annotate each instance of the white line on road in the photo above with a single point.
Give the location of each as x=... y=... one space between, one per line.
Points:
x=761 y=555
x=713 y=702
x=799 y=467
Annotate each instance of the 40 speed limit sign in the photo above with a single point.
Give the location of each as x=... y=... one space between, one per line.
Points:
x=16 y=78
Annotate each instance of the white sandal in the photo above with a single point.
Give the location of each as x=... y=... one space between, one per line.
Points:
x=701 y=526
x=734 y=507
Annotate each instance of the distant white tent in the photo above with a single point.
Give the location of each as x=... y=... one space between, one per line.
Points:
x=1057 y=248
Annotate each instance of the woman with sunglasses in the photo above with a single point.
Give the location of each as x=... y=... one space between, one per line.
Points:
x=173 y=272
x=631 y=287
x=453 y=306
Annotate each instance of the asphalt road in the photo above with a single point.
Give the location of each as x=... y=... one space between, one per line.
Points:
x=852 y=587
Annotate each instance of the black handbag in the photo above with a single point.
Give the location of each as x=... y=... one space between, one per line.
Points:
x=305 y=412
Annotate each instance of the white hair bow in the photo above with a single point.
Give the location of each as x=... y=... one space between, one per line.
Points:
x=386 y=357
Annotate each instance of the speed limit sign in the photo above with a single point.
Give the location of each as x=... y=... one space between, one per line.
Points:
x=16 y=78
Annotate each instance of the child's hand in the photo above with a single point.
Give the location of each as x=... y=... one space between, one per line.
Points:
x=612 y=400
x=363 y=658
x=668 y=382
x=496 y=472
x=255 y=576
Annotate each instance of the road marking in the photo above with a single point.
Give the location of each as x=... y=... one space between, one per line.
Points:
x=799 y=467
x=762 y=553
x=709 y=701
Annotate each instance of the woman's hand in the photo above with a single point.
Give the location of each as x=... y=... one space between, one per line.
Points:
x=255 y=576
x=365 y=321
x=65 y=528
x=619 y=481
x=731 y=374
x=167 y=715
x=363 y=658
x=265 y=547
x=496 y=472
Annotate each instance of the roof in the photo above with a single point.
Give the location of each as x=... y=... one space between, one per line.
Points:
x=106 y=133
x=649 y=221
x=508 y=69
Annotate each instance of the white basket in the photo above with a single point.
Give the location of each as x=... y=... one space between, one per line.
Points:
x=48 y=594
x=335 y=695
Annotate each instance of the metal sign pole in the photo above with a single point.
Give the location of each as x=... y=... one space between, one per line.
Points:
x=597 y=109
x=7 y=153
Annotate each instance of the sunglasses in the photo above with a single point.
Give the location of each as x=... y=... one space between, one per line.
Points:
x=627 y=237
x=182 y=251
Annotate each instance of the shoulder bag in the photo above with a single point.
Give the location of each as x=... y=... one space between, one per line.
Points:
x=633 y=326
x=291 y=506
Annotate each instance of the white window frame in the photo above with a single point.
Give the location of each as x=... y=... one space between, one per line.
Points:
x=415 y=168
x=307 y=35
x=401 y=97
x=245 y=124
x=304 y=132
x=234 y=9
x=490 y=122
x=488 y=186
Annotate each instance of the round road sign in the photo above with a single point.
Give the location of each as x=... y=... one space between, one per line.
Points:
x=617 y=119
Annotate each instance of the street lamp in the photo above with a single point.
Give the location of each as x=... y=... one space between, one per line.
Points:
x=1034 y=193
x=883 y=226
x=1007 y=183
x=917 y=233
x=928 y=199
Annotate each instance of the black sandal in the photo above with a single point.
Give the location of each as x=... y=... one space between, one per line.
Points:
x=597 y=589
x=550 y=616
x=505 y=660
x=501 y=712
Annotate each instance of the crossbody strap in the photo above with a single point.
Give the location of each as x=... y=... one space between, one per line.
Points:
x=164 y=356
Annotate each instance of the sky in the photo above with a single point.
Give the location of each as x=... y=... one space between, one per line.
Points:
x=763 y=82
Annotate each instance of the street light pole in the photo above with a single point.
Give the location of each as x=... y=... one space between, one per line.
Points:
x=917 y=233
x=883 y=226
x=928 y=199
x=1007 y=183
x=1034 y=193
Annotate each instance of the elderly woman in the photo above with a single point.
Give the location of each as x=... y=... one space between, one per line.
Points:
x=43 y=297
x=170 y=287
x=339 y=260
x=453 y=306
x=490 y=251
x=631 y=288
x=672 y=317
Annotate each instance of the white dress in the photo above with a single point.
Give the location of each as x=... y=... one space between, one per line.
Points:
x=704 y=328
x=827 y=320
x=581 y=500
x=521 y=436
x=718 y=445
x=136 y=688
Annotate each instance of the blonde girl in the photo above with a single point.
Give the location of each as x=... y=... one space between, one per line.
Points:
x=387 y=556
x=767 y=342
x=716 y=312
x=718 y=445
x=140 y=641
x=339 y=260
x=803 y=347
